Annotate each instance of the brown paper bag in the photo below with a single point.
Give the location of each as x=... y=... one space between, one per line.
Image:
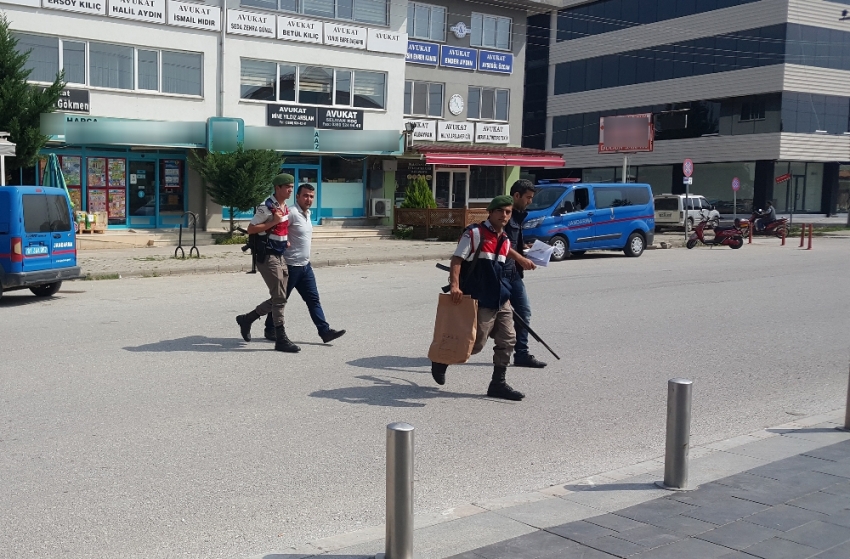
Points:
x=454 y=330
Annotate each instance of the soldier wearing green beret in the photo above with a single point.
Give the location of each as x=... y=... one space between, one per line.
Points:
x=271 y=224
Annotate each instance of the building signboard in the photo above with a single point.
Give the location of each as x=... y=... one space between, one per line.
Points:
x=489 y=133
x=340 y=119
x=454 y=131
x=195 y=16
x=28 y=3
x=346 y=36
x=73 y=100
x=626 y=133
x=499 y=62
x=93 y=7
x=290 y=115
x=782 y=178
x=300 y=30
x=425 y=130
x=148 y=11
x=381 y=40
x=458 y=57
x=422 y=53
x=252 y=24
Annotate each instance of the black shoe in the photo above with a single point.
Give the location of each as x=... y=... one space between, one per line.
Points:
x=438 y=371
x=269 y=334
x=283 y=343
x=504 y=391
x=528 y=361
x=331 y=335
x=245 y=321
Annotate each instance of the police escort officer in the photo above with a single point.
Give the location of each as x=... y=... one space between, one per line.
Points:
x=485 y=281
x=271 y=225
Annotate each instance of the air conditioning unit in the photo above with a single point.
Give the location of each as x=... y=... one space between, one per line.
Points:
x=379 y=207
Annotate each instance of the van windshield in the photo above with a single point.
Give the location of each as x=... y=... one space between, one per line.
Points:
x=545 y=198
x=671 y=204
x=46 y=213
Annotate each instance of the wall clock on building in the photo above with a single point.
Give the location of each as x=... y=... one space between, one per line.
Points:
x=456 y=104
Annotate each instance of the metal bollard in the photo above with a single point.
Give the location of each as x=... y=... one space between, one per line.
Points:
x=846 y=411
x=811 y=227
x=399 y=537
x=750 y=233
x=678 y=435
x=802 y=234
x=784 y=230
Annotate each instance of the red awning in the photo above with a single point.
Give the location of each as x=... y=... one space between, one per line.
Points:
x=488 y=156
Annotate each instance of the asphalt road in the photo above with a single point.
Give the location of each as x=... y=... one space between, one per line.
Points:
x=137 y=423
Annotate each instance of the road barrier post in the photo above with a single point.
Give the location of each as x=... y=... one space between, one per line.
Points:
x=399 y=535
x=750 y=233
x=784 y=228
x=847 y=409
x=678 y=434
x=802 y=234
x=811 y=226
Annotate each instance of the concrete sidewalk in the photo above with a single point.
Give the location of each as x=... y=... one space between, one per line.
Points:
x=777 y=493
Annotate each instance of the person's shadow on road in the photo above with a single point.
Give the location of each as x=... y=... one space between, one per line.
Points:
x=398 y=363
x=195 y=343
x=385 y=392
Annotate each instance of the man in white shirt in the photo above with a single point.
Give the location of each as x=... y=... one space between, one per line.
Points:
x=297 y=256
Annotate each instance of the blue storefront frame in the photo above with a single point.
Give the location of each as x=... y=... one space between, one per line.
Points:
x=151 y=215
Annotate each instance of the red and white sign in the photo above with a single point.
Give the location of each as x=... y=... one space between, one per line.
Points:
x=736 y=184
x=782 y=178
x=626 y=133
x=688 y=167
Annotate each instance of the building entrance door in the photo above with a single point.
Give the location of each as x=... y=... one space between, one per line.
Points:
x=142 y=194
x=451 y=188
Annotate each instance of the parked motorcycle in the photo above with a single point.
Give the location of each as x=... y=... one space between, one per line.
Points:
x=729 y=236
x=773 y=229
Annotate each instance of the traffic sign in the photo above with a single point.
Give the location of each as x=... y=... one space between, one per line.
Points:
x=688 y=167
x=687 y=180
x=736 y=184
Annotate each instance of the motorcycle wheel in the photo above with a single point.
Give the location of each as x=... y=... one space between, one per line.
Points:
x=691 y=243
x=737 y=243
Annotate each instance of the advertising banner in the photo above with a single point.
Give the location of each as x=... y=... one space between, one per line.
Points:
x=299 y=30
x=290 y=115
x=499 y=62
x=422 y=53
x=458 y=57
x=340 y=119
x=195 y=16
x=251 y=24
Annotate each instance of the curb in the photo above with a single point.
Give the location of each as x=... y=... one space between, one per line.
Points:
x=373 y=535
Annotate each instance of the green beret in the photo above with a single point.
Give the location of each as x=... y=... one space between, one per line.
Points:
x=283 y=178
x=500 y=202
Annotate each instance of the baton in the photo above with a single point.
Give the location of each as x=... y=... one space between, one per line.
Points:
x=517 y=317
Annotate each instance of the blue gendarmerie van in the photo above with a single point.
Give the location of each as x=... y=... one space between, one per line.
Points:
x=38 y=246
x=577 y=217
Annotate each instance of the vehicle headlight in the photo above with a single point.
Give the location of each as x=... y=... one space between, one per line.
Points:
x=532 y=223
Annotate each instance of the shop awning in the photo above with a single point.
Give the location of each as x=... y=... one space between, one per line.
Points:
x=488 y=156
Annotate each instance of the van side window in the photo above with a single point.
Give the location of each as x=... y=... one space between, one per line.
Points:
x=622 y=196
x=691 y=204
x=582 y=199
x=46 y=213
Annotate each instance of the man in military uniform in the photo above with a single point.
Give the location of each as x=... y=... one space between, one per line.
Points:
x=271 y=224
x=486 y=283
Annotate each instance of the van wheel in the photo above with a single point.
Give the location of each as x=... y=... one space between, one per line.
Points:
x=690 y=224
x=47 y=290
x=562 y=248
x=635 y=245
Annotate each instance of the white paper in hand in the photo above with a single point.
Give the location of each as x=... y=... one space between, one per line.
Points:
x=540 y=253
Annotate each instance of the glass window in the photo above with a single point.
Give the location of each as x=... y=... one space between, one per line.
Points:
x=315 y=85
x=322 y=8
x=258 y=80
x=752 y=110
x=491 y=31
x=408 y=97
x=473 y=105
x=286 y=82
x=427 y=98
x=502 y=96
x=148 y=69
x=343 y=87
x=265 y=4
x=485 y=182
x=181 y=73
x=426 y=22
x=420 y=98
x=345 y=9
x=74 y=61
x=488 y=103
x=435 y=99
x=371 y=11
x=43 y=59
x=369 y=88
x=111 y=65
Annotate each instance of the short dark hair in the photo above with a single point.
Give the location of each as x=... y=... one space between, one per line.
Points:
x=522 y=186
x=305 y=186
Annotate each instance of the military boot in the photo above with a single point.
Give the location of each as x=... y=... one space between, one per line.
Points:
x=283 y=343
x=438 y=371
x=245 y=321
x=500 y=389
x=268 y=332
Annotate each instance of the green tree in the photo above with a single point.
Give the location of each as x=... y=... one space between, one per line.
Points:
x=21 y=104
x=419 y=195
x=239 y=180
